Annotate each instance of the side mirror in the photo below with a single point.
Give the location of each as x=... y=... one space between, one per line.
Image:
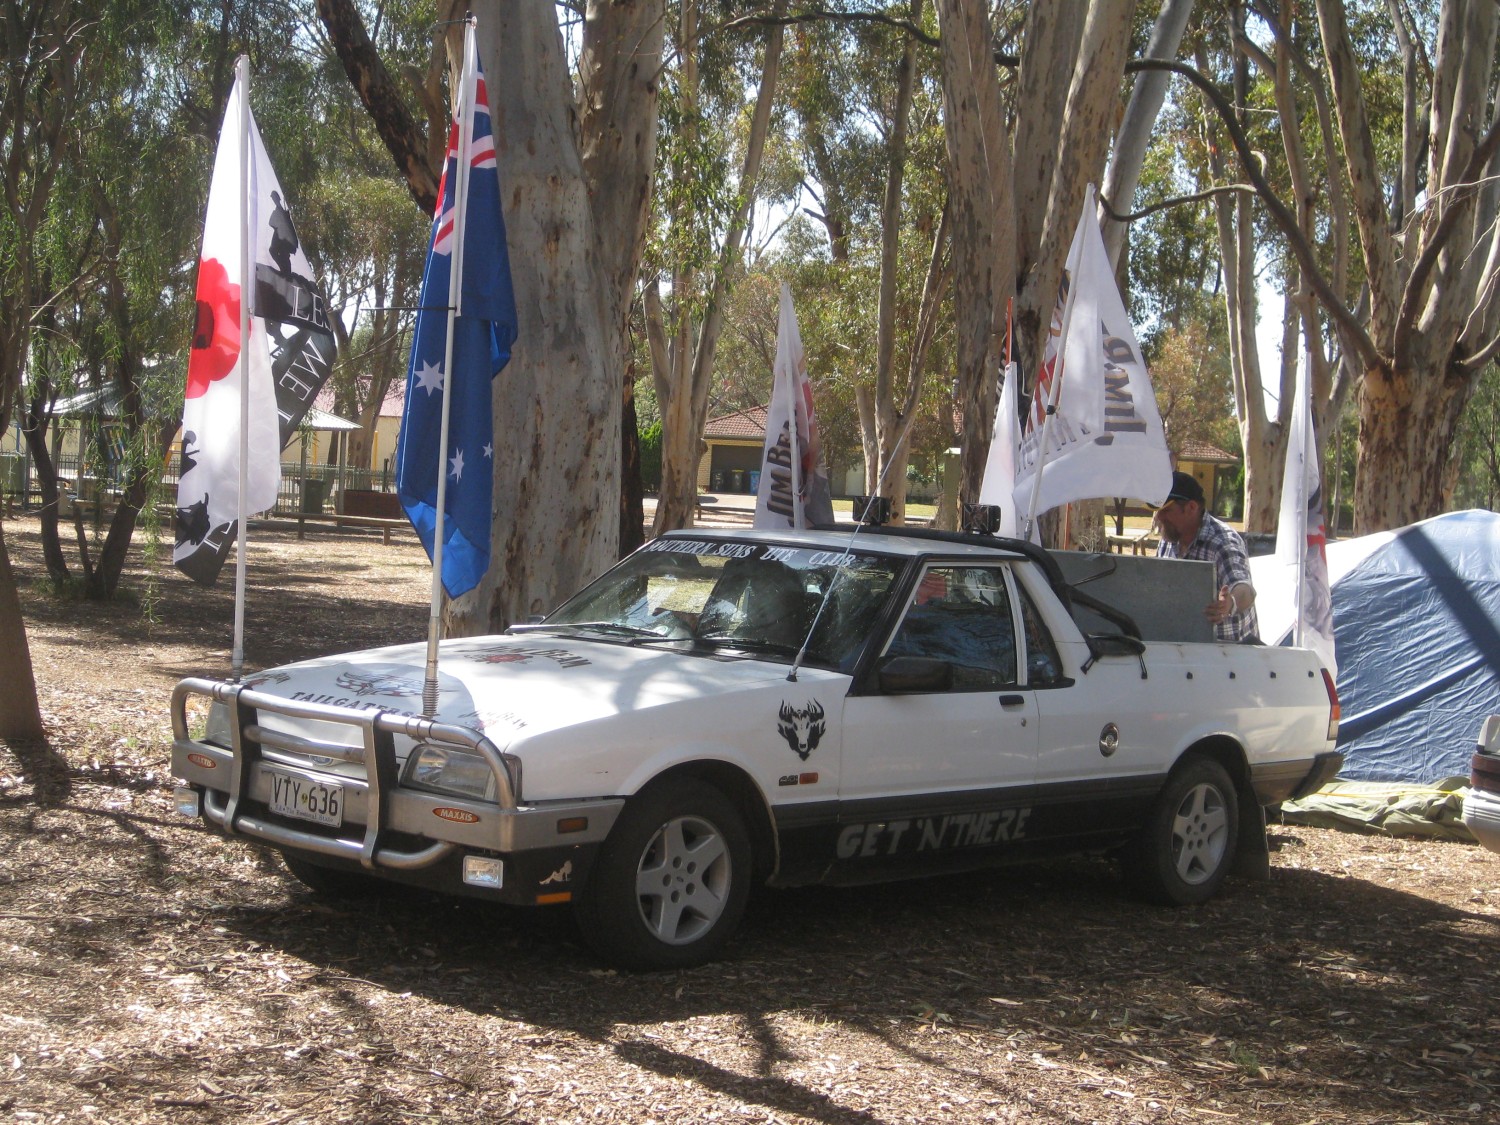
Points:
x=1115 y=644
x=915 y=675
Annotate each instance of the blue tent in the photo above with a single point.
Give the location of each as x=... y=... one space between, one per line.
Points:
x=1417 y=632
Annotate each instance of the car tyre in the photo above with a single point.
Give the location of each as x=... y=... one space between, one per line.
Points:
x=1187 y=847
x=670 y=883
x=332 y=882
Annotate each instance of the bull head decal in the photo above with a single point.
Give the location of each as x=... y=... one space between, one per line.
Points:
x=372 y=682
x=803 y=729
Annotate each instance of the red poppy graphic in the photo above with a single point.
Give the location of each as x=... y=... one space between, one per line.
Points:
x=216 y=335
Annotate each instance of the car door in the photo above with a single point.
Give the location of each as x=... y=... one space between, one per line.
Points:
x=941 y=767
x=1102 y=740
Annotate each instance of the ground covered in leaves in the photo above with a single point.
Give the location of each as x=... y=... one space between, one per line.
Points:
x=155 y=972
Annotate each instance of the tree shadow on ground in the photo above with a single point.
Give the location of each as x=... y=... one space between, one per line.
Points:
x=1054 y=955
x=44 y=768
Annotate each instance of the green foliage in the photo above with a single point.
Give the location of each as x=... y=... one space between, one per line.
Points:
x=1477 y=448
x=650 y=453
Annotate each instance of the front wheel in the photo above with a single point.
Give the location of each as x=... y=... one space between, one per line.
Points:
x=1187 y=847
x=670 y=884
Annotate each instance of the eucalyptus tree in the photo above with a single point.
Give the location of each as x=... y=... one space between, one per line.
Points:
x=368 y=242
x=1389 y=137
x=703 y=213
x=1432 y=267
x=865 y=93
x=126 y=315
x=39 y=92
x=577 y=154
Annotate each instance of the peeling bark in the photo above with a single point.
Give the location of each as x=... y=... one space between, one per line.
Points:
x=983 y=220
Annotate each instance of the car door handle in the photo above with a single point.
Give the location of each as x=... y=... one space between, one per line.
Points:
x=1010 y=701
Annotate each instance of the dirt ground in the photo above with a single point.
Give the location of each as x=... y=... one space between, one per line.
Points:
x=153 y=971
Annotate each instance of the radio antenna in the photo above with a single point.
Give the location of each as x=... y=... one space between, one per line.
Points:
x=838 y=572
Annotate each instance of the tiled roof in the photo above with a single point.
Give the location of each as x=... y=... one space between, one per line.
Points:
x=395 y=398
x=749 y=423
x=1202 y=451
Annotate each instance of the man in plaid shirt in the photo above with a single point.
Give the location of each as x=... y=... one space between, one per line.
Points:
x=1189 y=532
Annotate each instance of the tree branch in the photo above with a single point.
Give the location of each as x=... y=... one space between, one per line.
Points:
x=1416 y=282
x=1284 y=219
x=382 y=99
x=817 y=15
x=1483 y=356
x=1175 y=201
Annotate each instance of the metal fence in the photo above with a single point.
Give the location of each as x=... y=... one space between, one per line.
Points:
x=306 y=488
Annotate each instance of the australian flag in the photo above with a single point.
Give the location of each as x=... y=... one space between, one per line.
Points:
x=484 y=329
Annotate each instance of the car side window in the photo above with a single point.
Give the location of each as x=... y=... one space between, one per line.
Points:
x=961 y=615
x=1043 y=666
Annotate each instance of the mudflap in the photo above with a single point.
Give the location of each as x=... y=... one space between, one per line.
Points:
x=1253 y=858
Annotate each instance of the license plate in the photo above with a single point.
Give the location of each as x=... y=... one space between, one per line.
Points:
x=306 y=800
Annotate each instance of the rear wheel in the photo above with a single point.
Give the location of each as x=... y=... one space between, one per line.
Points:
x=670 y=883
x=1187 y=848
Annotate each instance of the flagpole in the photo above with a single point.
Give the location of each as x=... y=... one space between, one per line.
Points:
x=794 y=392
x=1057 y=376
x=1303 y=408
x=455 y=295
x=237 y=653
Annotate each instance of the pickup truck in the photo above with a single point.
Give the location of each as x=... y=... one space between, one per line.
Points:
x=729 y=709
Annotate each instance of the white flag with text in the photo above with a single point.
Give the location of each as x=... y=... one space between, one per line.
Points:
x=1106 y=437
x=1301 y=533
x=794 y=489
x=289 y=355
x=999 y=484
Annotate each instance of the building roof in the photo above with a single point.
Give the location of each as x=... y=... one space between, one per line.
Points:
x=1203 y=452
x=391 y=407
x=749 y=424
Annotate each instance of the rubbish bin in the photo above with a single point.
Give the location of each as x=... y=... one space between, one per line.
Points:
x=717 y=483
x=754 y=480
x=314 y=492
x=736 y=480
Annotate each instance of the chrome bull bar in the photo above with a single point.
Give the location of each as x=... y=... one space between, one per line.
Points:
x=376 y=752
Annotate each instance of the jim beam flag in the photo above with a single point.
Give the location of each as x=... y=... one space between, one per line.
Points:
x=1105 y=437
x=793 y=490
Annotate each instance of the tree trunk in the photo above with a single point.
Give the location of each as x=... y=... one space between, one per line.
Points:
x=619 y=87
x=557 y=405
x=632 y=490
x=983 y=210
x=683 y=395
x=35 y=432
x=20 y=712
x=1134 y=137
x=1407 y=424
x=890 y=417
x=1073 y=151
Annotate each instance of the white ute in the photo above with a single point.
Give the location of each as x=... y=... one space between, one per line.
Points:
x=725 y=709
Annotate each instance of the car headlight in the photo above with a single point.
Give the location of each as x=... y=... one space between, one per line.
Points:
x=448 y=769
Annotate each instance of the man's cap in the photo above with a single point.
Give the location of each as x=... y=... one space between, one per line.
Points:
x=1185 y=487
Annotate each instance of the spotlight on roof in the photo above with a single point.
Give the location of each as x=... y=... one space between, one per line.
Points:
x=872 y=510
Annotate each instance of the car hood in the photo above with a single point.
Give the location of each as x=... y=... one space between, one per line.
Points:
x=511 y=685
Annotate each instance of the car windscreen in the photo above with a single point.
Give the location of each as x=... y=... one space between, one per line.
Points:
x=760 y=599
